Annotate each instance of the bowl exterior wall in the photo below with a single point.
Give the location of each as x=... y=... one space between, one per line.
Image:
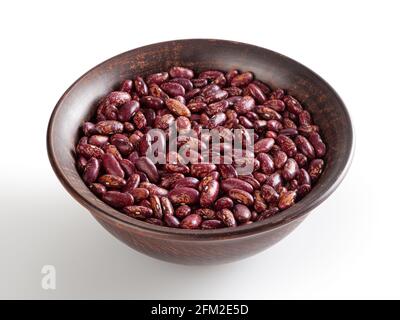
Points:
x=193 y=251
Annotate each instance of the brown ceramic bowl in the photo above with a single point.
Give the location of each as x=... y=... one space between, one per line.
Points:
x=200 y=246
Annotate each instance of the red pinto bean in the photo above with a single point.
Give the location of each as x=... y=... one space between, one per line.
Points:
x=241 y=213
x=227 y=217
x=241 y=196
x=181 y=72
x=145 y=165
x=209 y=193
x=138 y=212
x=117 y=199
x=192 y=221
x=184 y=195
x=91 y=171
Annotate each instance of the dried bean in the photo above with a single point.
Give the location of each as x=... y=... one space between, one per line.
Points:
x=145 y=165
x=117 y=199
x=241 y=213
x=138 y=212
x=241 y=196
x=184 y=195
x=227 y=217
x=192 y=221
x=91 y=171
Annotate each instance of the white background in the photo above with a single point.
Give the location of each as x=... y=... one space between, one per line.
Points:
x=347 y=248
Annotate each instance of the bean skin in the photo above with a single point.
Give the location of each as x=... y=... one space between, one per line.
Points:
x=155 y=204
x=259 y=203
x=242 y=80
x=171 y=221
x=280 y=159
x=152 y=102
x=303 y=190
x=111 y=181
x=263 y=87
x=200 y=170
x=244 y=105
x=199 y=83
x=138 y=212
x=250 y=180
x=126 y=112
x=287 y=145
x=228 y=171
x=109 y=127
x=192 y=221
x=230 y=75
x=303 y=177
x=183 y=211
x=211 y=224
x=292 y=104
x=155 y=221
x=277 y=105
x=177 y=108
x=315 y=169
x=89 y=151
x=274 y=180
x=266 y=163
x=112 y=166
x=154 y=189
x=196 y=191
x=189 y=182
x=287 y=199
x=98 y=140
x=157 y=78
x=305 y=147
x=301 y=159
x=223 y=203
x=166 y=206
x=98 y=189
x=89 y=128
x=206 y=213
x=184 y=195
x=157 y=92
x=241 y=196
x=235 y=183
x=117 y=199
x=269 y=194
x=227 y=217
x=141 y=86
x=241 y=213
x=256 y=92
x=91 y=171
x=290 y=170
x=209 y=194
x=181 y=72
x=139 y=193
x=127 y=166
x=317 y=143
x=145 y=165
x=173 y=89
x=263 y=145
x=133 y=181
x=170 y=179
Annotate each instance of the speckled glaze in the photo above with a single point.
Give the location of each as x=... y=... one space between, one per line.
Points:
x=200 y=246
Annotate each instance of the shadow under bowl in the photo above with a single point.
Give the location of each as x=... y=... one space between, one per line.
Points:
x=78 y=104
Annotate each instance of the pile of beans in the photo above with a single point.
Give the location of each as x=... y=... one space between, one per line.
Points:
x=111 y=154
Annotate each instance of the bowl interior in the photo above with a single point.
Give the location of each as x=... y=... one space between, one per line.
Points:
x=79 y=103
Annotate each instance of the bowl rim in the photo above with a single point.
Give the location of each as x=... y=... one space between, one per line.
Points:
x=285 y=217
